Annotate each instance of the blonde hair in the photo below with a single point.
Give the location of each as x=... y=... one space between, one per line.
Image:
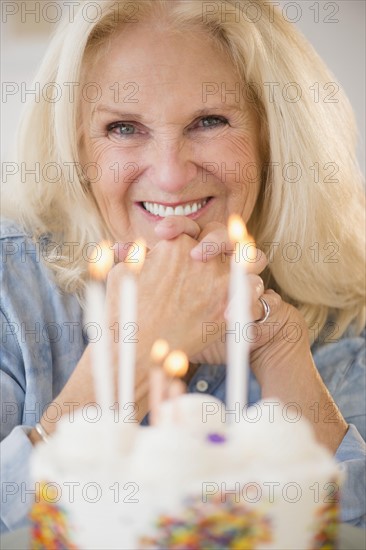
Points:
x=312 y=199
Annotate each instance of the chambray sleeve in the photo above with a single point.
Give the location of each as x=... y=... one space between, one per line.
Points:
x=35 y=364
x=343 y=368
x=15 y=444
x=351 y=455
x=17 y=491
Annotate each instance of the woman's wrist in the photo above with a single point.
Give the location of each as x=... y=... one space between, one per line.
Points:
x=77 y=392
x=34 y=436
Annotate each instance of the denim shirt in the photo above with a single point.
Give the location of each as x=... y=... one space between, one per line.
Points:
x=42 y=341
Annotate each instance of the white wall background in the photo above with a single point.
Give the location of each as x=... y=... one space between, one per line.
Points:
x=336 y=29
x=342 y=46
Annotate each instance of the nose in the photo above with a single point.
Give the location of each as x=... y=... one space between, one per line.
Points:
x=172 y=166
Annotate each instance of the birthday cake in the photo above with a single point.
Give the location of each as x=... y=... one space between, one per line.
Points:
x=191 y=481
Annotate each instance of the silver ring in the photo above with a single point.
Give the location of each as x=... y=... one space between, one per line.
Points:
x=267 y=310
x=42 y=432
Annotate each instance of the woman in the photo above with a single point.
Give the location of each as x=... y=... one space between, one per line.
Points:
x=169 y=129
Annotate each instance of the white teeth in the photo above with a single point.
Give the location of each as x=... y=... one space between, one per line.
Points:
x=181 y=210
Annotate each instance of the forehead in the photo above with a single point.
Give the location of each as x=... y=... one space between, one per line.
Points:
x=157 y=60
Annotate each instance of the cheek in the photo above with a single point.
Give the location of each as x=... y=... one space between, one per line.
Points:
x=115 y=169
x=238 y=159
x=238 y=156
x=251 y=197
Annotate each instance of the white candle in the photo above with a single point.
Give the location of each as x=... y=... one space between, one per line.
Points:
x=128 y=335
x=176 y=389
x=128 y=327
x=157 y=381
x=238 y=346
x=176 y=365
x=96 y=318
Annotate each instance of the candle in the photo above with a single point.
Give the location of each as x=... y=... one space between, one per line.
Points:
x=176 y=365
x=96 y=316
x=238 y=347
x=128 y=324
x=159 y=351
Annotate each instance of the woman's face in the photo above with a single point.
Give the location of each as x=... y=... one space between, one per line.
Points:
x=169 y=133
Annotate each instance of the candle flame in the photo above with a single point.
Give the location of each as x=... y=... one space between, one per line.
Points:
x=237 y=229
x=101 y=261
x=136 y=255
x=176 y=364
x=159 y=351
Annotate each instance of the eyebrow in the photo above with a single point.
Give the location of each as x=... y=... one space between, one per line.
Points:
x=224 y=108
x=115 y=112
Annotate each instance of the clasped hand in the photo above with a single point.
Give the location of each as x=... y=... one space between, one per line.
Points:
x=183 y=290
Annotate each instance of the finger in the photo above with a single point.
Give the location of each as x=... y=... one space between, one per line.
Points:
x=255 y=259
x=125 y=252
x=121 y=251
x=217 y=242
x=256 y=286
x=173 y=226
x=212 y=244
x=214 y=240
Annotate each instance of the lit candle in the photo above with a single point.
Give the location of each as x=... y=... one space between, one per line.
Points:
x=159 y=351
x=96 y=316
x=176 y=365
x=238 y=347
x=128 y=333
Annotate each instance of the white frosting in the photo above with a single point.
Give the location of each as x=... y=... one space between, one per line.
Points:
x=174 y=459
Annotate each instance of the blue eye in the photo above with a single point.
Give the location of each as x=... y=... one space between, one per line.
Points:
x=213 y=121
x=121 y=128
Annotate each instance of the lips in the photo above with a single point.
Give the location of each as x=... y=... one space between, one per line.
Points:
x=186 y=209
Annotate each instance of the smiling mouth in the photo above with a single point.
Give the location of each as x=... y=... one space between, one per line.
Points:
x=186 y=209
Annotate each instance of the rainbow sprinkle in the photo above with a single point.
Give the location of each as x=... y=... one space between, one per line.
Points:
x=50 y=527
x=216 y=438
x=326 y=537
x=212 y=525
